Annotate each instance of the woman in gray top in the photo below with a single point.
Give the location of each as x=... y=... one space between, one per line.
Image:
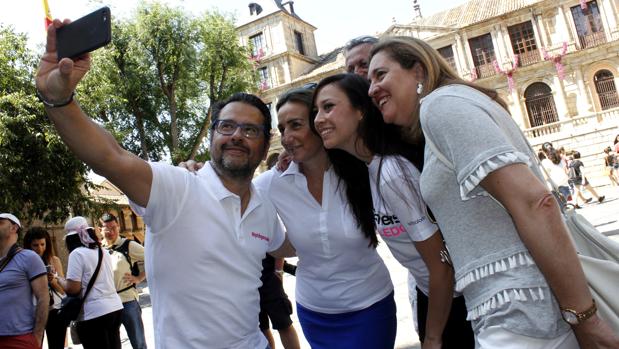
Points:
x=511 y=252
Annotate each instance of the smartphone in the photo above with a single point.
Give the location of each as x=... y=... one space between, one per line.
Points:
x=49 y=268
x=85 y=34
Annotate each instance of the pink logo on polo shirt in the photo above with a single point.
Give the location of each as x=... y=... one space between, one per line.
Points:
x=389 y=225
x=260 y=236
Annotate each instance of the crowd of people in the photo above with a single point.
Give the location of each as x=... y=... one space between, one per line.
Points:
x=400 y=147
x=109 y=275
x=566 y=170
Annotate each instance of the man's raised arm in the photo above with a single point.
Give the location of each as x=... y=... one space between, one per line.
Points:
x=56 y=82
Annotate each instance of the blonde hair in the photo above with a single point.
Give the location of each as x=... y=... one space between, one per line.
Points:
x=407 y=51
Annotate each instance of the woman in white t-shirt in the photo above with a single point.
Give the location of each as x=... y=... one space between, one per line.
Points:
x=98 y=323
x=347 y=120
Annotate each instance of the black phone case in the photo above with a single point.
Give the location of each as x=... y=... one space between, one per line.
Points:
x=85 y=34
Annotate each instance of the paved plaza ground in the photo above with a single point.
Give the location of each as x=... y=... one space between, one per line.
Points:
x=604 y=216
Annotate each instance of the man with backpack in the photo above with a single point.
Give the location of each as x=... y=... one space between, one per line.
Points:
x=128 y=266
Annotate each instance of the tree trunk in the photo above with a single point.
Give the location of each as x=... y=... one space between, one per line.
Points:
x=142 y=134
x=203 y=131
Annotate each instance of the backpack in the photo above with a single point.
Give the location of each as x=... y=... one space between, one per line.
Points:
x=574 y=170
x=124 y=249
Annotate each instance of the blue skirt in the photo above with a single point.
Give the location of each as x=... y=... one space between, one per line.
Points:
x=371 y=328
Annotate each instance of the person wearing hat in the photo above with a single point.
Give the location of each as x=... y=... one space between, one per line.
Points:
x=128 y=267
x=98 y=324
x=22 y=276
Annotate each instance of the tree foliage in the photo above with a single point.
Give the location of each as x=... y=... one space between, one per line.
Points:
x=153 y=87
x=39 y=177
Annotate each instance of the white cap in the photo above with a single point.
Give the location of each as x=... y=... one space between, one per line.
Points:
x=74 y=224
x=10 y=217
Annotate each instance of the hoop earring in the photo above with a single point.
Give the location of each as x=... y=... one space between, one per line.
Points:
x=419 y=88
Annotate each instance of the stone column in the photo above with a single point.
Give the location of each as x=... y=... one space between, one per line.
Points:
x=459 y=54
x=609 y=15
x=583 y=102
x=468 y=58
x=539 y=31
x=507 y=42
x=517 y=112
x=559 y=97
x=497 y=42
x=605 y=23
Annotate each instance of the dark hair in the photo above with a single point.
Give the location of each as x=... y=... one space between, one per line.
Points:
x=541 y=155
x=379 y=137
x=354 y=173
x=108 y=217
x=576 y=154
x=553 y=156
x=37 y=233
x=616 y=139
x=303 y=95
x=361 y=40
x=250 y=100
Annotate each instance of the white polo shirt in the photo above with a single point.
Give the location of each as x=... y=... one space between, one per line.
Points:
x=203 y=260
x=337 y=271
x=399 y=214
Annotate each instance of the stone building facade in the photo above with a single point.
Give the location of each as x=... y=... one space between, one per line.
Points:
x=555 y=62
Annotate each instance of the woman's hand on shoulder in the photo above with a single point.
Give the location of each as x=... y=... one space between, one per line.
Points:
x=191 y=166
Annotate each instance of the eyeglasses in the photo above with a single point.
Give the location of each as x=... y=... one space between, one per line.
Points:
x=228 y=127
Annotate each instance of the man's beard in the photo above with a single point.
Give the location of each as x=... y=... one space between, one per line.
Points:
x=234 y=168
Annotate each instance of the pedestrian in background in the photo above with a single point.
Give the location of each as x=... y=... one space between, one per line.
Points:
x=579 y=179
x=611 y=166
x=39 y=240
x=24 y=299
x=128 y=268
x=98 y=323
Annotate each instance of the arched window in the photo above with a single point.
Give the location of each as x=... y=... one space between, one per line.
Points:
x=606 y=89
x=540 y=104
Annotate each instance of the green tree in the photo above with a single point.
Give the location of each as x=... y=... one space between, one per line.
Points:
x=122 y=93
x=39 y=177
x=153 y=86
x=168 y=37
x=223 y=65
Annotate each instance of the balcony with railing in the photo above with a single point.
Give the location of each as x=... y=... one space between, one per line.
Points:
x=485 y=70
x=529 y=57
x=575 y=126
x=592 y=40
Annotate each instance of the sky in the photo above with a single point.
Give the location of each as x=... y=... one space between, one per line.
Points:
x=337 y=21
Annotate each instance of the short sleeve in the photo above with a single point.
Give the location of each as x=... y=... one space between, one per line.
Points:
x=466 y=134
x=35 y=266
x=401 y=194
x=75 y=267
x=136 y=251
x=167 y=195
